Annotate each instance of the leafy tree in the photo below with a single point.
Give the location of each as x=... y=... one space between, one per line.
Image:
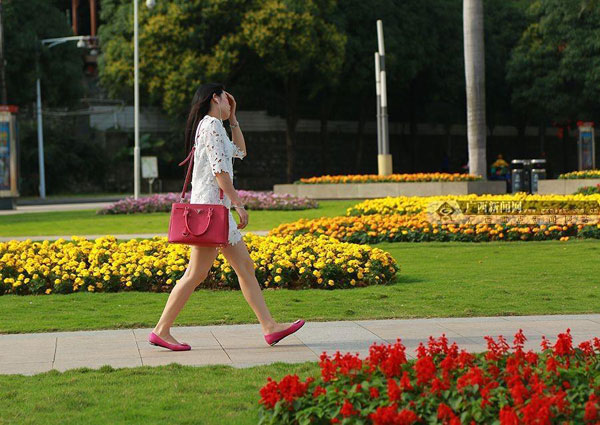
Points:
x=185 y=43
x=553 y=67
x=25 y=23
x=182 y=44
x=505 y=21
x=301 y=48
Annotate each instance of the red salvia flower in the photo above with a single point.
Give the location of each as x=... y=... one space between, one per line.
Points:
x=508 y=416
x=405 y=382
x=564 y=346
x=348 y=410
x=318 y=391
x=591 y=411
x=445 y=413
x=389 y=415
x=394 y=391
x=270 y=394
x=373 y=392
x=425 y=369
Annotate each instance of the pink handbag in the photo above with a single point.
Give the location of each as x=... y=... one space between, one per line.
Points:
x=198 y=224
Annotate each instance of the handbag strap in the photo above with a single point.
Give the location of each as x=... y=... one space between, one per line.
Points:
x=188 y=176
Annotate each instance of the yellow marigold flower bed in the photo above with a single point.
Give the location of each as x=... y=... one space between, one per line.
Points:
x=584 y=174
x=415 y=204
x=404 y=219
x=401 y=178
x=104 y=265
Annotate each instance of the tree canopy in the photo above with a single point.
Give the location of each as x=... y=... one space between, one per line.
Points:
x=61 y=67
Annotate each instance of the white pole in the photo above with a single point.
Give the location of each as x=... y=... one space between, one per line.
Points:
x=40 y=132
x=136 y=106
x=378 y=97
x=384 y=118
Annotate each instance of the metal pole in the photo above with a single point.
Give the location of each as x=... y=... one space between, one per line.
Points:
x=40 y=139
x=40 y=129
x=136 y=107
x=378 y=91
x=384 y=118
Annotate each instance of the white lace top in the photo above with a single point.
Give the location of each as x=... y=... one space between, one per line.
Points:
x=214 y=153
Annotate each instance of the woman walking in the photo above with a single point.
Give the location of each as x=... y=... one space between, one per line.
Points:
x=213 y=169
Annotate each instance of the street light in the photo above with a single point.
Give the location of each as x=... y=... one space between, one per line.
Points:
x=136 y=99
x=82 y=41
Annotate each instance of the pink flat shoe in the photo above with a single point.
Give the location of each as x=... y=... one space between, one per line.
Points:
x=156 y=340
x=275 y=337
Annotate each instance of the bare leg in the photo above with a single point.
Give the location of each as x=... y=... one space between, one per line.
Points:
x=201 y=260
x=237 y=255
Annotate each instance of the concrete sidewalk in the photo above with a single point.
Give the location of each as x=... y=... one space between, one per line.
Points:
x=244 y=345
x=126 y=236
x=53 y=207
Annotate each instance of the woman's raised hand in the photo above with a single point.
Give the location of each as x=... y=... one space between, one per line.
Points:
x=232 y=103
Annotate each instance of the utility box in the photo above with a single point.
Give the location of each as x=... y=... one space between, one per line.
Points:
x=8 y=157
x=586 y=151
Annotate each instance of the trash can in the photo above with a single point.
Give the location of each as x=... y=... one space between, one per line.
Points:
x=538 y=172
x=517 y=175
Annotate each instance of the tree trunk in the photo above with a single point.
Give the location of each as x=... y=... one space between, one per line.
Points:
x=360 y=136
x=475 y=82
x=291 y=119
x=415 y=167
x=327 y=151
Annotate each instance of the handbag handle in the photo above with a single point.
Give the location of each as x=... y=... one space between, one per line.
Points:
x=186 y=214
x=188 y=175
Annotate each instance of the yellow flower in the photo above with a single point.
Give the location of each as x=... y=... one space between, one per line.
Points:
x=48 y=290
x=330 y=282
x=277 y=279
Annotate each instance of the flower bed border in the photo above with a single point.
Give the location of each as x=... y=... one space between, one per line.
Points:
x=563 y=186
x=381 y=190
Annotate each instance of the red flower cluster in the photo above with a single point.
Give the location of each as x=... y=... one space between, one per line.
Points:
x=288 y=389
x=505 y=384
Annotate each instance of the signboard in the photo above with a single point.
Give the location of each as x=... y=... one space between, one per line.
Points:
x=8 y=152
x=149 y=167
x=586 y=155
x=5 y=155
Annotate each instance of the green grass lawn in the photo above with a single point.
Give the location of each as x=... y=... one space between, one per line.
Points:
x=171 y=394
x=436 y=280
x=87 y=222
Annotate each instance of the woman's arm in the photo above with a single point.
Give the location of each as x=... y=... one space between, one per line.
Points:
x=224 y=181
x=236 y=135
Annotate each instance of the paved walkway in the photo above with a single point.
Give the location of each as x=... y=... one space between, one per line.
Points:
x=118 y=236
x=244 y=345
x=52 y=208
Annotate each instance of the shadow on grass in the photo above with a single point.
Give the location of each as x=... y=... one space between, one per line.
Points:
x=405 y=280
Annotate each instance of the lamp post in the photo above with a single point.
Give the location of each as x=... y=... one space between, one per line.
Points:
x=136 y=99
x=384 y=158
x=51 y=42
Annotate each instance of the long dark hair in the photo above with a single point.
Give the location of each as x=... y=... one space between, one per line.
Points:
x=199 y=108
